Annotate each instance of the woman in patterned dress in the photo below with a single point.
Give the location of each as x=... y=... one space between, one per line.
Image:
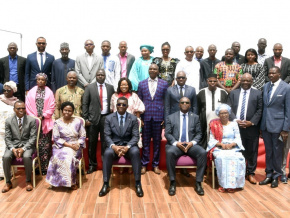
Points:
x=69 y=137
x=40 y=102
x=225 y=144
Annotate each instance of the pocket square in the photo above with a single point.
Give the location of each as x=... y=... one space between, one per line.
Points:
x=279 y=95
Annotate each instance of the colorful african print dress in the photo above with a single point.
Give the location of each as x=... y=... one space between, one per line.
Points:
x=228 y=74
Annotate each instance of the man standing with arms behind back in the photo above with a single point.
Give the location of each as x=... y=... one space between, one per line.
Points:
x=126 y=59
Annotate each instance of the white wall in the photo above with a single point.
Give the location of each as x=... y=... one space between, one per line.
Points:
x=180 y=22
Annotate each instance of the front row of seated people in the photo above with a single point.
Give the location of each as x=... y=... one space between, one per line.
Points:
x=183 y=134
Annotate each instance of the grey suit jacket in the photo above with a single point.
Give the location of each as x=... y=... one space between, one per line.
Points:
x=172 y=128
x=285 y=68
x=91 y=102
x=113 y=135
x=26 y=139
x=130 y=62
x=87 y=75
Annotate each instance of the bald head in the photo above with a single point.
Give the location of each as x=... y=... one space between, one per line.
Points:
x=246 y=81
x=12 y=49
x=12 y=44
x=123 y=48
x=212 y=51
x=199 y=52
x=278 y=49
x=236 y=46
x=262 y=44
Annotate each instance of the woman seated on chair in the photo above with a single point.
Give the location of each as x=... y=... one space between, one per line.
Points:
x=225 y=144
x=69 y=139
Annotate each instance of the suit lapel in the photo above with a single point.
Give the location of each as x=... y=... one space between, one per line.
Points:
x=147 y=89
x=15 y=124
x=97 y=93
x=177 y=118
x=94 y=61
x=282 y=63
x=237 y=98
x=127 y=122
x=275 y=93
x=116 y=122
x=251 y=98
x=7 y=69
x=23 y=125
x=36 y=62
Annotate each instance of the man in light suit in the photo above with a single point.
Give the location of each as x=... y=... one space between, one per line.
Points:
x=126 y=59
x=122 y=136
x=87 y=65
x=12 y=68
x=183 y=135
x=275 y=124
x=96 y=106
x=247 y=105
x=20 y=138
x=152 y=92
x=279 y=61
x=38 y=62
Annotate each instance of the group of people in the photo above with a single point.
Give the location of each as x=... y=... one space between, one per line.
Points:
x=211 y=110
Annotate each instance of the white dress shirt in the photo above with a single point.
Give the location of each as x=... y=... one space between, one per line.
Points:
x=152 y=83
x=241 y=103
x=183 y=89
x=105 y=98
x=276 y=84
x=38 y=56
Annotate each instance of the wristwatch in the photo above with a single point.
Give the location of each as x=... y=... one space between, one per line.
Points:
x=253 y=124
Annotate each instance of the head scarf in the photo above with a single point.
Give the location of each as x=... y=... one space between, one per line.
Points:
x=149 y=47
x=222 y=107
x=41 y=74
x=12 y=85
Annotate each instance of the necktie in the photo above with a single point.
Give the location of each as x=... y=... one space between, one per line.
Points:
x=121 y=124
x=20 y=125
x=242 y=115
x=152 y=88
x=181 y=93
x=41 y=61
x=269 y=92
x=183 y=135
x=101 y=96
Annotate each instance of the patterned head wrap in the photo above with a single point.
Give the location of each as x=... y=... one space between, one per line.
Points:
x=149 y=47
x=12 y=85
x=222 y=107
x=41 y=74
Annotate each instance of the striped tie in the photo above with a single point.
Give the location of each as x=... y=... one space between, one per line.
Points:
x=270 y=92
x=242 y=115
x=20 y=125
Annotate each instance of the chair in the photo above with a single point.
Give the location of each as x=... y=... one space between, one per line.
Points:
x=212 y=167
x=35 y=156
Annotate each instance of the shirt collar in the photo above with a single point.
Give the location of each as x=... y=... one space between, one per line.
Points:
x=119 y=116
x=178 y=86
x=156 y=79
x=13 y=58
x=100 y=84
x=87 y=54
x=126 y=55
x=277 y=82
x=243 y=90
x=41 y=52
x=279 y=59
x=181 y=114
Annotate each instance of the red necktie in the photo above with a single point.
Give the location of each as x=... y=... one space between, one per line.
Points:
x=101 y=96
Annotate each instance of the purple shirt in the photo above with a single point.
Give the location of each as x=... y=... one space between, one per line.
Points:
x=123 y=65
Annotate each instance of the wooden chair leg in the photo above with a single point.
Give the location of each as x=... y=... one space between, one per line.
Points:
x=212 y=173
x=13 y=174
x=80 y=174
x=33 y=170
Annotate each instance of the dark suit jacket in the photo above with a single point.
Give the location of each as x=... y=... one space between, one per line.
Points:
x=32 y=69
x=172 y=128
x=5 y=72
x=172 y=98
x=130 y=62
x=240 y=61
x=113 y=135
x=254 y=110
x=285 y=68
x=91 y=102
x=276 y=112
x=27 y=137
x=153 y=108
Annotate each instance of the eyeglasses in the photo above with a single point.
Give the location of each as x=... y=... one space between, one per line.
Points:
x=189 y=52
x=184 y=102
x=121 y=104
x=41 y=43
x=181 y=77
x=89 y=44
x=20 y=108
x=7 y=90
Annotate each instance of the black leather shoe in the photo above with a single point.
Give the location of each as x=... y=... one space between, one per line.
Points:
x=274 y=183
x=199 y=190
x=266 y=181
x=1 y=178
x=43 y=172
x=284 y=179
x=104 y=190
x=91 y=170
x=172 y=189
x=139 y=191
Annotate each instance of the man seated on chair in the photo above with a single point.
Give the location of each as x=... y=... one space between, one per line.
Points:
x=183 y=134
x=122 y=136
x=20 y=138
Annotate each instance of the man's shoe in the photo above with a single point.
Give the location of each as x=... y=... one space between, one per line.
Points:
x=199 y=190
x=156 y=170
x=172 y=189
x=184 y=172
x=104 y=190
x=284 y=179
x=1 y=178
x=252 y=179
x=139 y=191
x=266 y=181
x=274 y=183
x=29 y=186
x=91 y=170
x=143 y=170
x=7 y=187
x=288 y=175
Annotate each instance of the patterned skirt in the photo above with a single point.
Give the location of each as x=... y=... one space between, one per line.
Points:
x=44 y=147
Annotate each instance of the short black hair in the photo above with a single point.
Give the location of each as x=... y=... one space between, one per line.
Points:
x=67 y=103
x=129 y=84
x=123 y=98
x=165 y=43
x=18 y=102
x=277 y=68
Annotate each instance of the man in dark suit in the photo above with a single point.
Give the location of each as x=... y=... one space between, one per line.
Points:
x=12 y=68
x=279 y=61
x=37 y=62
x=247 y=105
x=122 y=136
x=183 y=135
x=126 y=59
x=275 y=124
x=152 y=92
x=20 y=138
x=96 y=106
x=238 y=58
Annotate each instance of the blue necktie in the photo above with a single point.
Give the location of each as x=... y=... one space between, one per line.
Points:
x=269 y=92
x=242 y=115
x=183 y=135
x=41 y=61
